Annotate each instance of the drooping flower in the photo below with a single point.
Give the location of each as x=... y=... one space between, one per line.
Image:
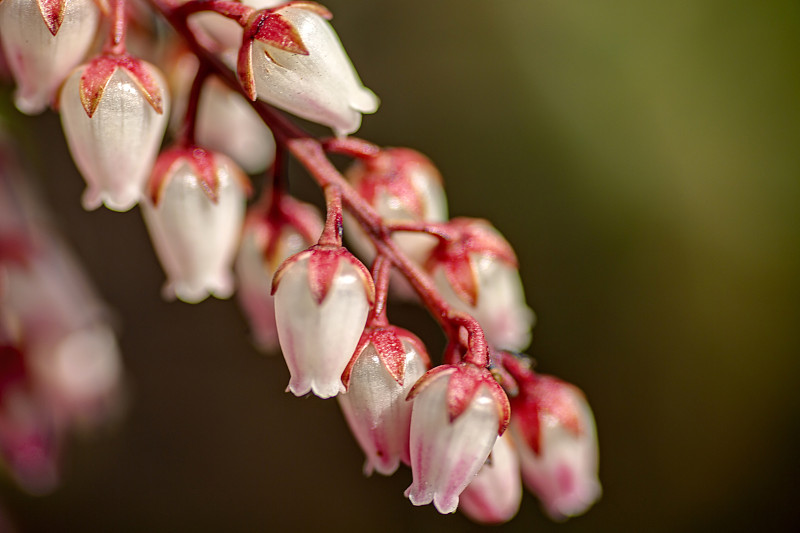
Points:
x=494 y=496
x=225 y=122
x=554 y=430
x=292 y=58
x=386 y=364
x=476 y=272
x=43 y=41
x=194 y=211
x=322 y=299
x=403 y=186
x=113 y=110
x=458 y=412
x=270 y=236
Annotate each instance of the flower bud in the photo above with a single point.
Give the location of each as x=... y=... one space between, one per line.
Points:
x=554 y=430
x=270 y=236
x=387 y=363
x=292 y=58
x=476 y=272
x=43 y=41
x=495 y=494
x=457 y=414
x=322 y=298
x=194 y=211
x=113 y=114
x=403 y=186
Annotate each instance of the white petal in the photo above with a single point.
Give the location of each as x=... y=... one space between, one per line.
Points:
x=501 y=309
x=322 y=86
x=195 y=238
x=318 y=340
x=39 y=60
x=446 y=456
x=495 y=494
x=228 y=124
x=254 y=280
x=564 y=475
x=376 y=409
x=116 y=147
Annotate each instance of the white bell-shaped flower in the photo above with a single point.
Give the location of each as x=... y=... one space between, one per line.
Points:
x=557 y=441
x=457 y=414
x=194 y=211
x=270 y=236
x=322 y=299
x=293 y=59
x=403 y=186
x=43 y=41
x=476 y=272
x=494 y=496
x=113 y=111
x=226 y=122
x=379 y=379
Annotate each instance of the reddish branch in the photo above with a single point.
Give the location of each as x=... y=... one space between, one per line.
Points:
x=311 y=153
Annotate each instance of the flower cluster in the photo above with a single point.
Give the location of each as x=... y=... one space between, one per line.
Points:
x=229 y=65
x=59 y=362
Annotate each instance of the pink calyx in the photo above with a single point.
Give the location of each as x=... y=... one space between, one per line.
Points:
x=469 y=236
x=99 y=71
x=465 y=381
x=201 y=162
x=323 y=263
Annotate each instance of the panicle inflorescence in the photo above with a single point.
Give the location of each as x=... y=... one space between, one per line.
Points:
x=220 y=77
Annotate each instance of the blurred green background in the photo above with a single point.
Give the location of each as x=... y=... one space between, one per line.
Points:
x=643 y=159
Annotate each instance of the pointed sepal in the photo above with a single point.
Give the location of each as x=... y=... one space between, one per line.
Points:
x=98 y=72
x=52 y=13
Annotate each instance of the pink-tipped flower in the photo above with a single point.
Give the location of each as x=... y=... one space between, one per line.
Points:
x=292 y=58
x=194 y=211
x=270 y=237
x=554 y=430
x=495 y=494
x=458 y=412
x=403 y=186
x=43 y=41
x=71 y=351
x=113 y=110
x=386 y=364
x=476 y=272
x=322 y=299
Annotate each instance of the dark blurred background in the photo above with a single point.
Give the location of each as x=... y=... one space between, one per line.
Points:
x=643 y=159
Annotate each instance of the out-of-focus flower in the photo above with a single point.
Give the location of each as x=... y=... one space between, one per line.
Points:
x=226 y=122
x=59 y=361
x=457 y=414
x=386 y=364
x=554 y=430
x=476 y=272
x=403 y=186
x=494 y=496
x=194 y=211
x=270 y=236
x=292 y=58
x=43 y=41
x=322 y=298
x=113 y=110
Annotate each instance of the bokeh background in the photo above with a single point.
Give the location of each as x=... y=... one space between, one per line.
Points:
x=643 y=159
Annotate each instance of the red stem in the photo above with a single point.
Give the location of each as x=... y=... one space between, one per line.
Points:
x=332 y=234
x=381 y=268
x=310 y=153
x=187 y=135
x=115 y=44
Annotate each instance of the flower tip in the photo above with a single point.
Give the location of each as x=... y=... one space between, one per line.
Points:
x=325 y=390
